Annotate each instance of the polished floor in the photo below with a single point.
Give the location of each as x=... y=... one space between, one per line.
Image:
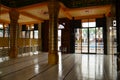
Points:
x=70 y=67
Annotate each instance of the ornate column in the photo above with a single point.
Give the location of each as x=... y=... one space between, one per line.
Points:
x=39 y=36
x=53 y=8
x=14 y=16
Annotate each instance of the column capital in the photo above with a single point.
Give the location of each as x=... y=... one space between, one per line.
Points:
x=14 y=14
x=53 y=7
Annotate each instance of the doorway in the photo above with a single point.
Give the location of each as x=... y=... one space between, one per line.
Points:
x=59 y=40
x=60 y=27
x=89 y=38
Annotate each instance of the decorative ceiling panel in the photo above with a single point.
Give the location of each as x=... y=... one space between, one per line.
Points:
x=20 y=3
x=5 y=17
x=41 y=12
x=90 y=11
x=85 y=3
x=68 y=3
x=25 y=19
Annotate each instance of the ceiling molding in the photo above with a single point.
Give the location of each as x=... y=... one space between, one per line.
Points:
x=31 y=22
x=109 y=11
x=90 y=16
x=63 y=9
x=4 y=21
x=62 y=5
x=2 y=6
x=66 y=14
x=31 y=16
x=33 y=6
x=4 y=12
x=87 y=8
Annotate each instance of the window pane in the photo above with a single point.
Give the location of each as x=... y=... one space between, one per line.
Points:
x=27 y=34
x=92 y=24
x=85 y=40
x=1 y=33
x=92 y=45
x=1 y=26
x=31 y=34
x=36 y=34
x=88 y=23
x=23 y=34
x=85 y=24
x=6 y=31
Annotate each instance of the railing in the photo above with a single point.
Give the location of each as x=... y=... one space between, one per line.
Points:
x=24 y=45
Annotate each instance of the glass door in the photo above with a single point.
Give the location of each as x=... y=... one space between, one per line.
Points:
x=89 y=40
x=78 y=40
x=99 y=40
x=84 y=40
x=92 y=41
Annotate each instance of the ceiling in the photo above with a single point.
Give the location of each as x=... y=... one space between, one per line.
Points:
x=34 y=12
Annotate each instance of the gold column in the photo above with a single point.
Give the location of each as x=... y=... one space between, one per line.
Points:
x=14 y=16
x=53 y=8
x=39 y=36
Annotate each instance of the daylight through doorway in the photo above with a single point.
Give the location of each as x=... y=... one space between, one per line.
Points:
x=89 y=38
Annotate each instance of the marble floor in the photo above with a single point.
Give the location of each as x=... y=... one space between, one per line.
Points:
x=69 y=67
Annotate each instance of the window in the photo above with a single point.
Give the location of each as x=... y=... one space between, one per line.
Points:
x=1 y=26
x=31 y=34
x=88 y=23
x=23 y=34
x=6 y=30
x=30 y=31
x=27 y=34
x=36 y=34
x=1 y=30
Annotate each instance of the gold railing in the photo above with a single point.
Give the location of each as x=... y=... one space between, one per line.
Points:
x=4 y=42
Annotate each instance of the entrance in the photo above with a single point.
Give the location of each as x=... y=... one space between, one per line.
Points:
x=59 y=40
x=89 y=39
x=60 y=27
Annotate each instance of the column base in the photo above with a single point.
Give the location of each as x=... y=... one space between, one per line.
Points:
x=53 y=58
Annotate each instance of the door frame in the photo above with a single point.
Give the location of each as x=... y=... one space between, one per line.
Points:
x=88 y=37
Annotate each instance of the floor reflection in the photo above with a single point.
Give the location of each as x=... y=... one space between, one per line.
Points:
x=69 y=67
x=94 y=67
x=60 y=67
